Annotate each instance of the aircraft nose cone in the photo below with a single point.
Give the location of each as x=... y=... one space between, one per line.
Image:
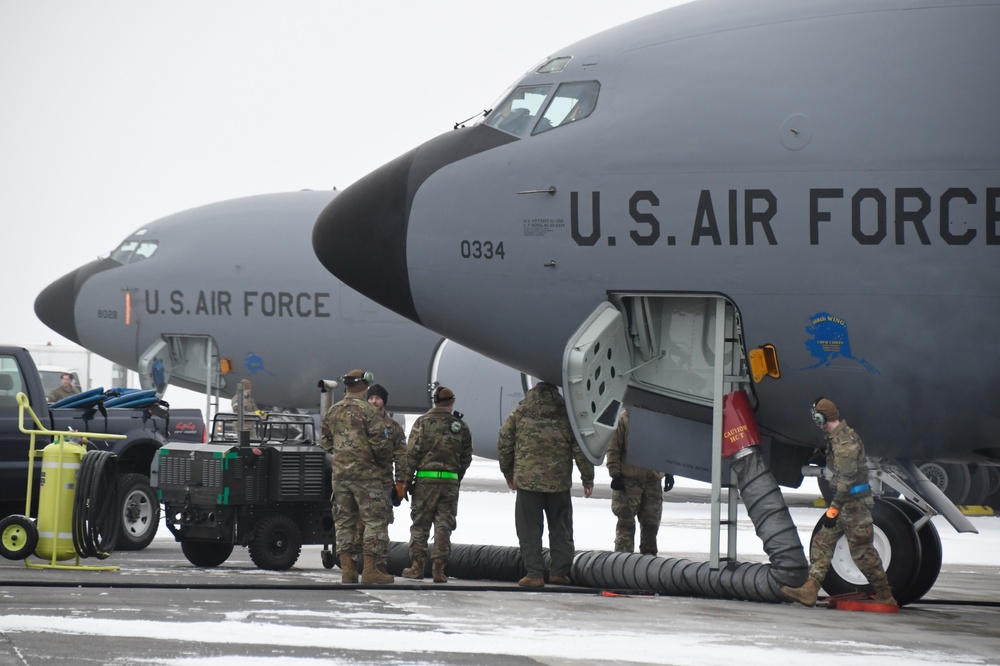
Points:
x=360 y=236
x=54 y=306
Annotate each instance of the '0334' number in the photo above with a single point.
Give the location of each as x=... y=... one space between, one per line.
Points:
x=482 y=250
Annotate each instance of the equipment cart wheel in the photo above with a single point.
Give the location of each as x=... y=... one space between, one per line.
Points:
x=276 y=543
x=206 y=553
x=140 y=512
x=18 y=537
x=327 y=558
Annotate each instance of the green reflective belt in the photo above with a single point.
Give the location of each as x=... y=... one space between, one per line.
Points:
x=427 y=474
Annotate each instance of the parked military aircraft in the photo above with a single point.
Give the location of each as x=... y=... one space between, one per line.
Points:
x=818 y=180
x=235 y=281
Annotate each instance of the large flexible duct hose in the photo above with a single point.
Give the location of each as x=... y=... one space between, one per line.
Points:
x=667 y=576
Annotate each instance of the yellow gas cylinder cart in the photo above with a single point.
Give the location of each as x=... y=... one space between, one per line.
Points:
x=69 y=522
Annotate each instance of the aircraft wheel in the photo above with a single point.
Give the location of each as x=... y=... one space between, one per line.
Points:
x=930 y=555
x=140 y=512
x=206 y=553
x=18 y=537
x=952 y=479
x=979 y=485
x=898 y=546
x=276 y=543
x=327 y=558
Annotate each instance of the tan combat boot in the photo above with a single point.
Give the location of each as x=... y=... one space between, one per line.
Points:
x=530 y=581
x=805 y=595
x=415 y=570
x=883 y=595
x=372 y=574
x=348 y=569
x=438 y=571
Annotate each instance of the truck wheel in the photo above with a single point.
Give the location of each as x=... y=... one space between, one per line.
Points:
x=140 y=512
x=206 y=553
x=18 y=537
x=276 y=543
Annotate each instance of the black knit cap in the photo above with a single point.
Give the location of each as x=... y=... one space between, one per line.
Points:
x=377 y=389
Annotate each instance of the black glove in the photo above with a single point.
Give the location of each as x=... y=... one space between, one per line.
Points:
x=396 y=499
x=617 y=483
x=829 y=518
x=668 y=482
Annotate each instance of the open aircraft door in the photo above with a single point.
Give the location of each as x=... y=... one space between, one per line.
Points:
x=655 y=353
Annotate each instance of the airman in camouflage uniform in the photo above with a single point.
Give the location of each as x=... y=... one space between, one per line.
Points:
x=850 y=512
x=357 y=436
x=536 y=449
x=379 y=397
x=249 y=406
x=635 y=491
x=64 y=390
x=439 y=453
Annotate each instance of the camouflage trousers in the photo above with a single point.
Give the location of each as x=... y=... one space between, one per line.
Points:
x=855 y=523
x=433 y=504
x=642 y=499
x=366 y=502
x=359 y=534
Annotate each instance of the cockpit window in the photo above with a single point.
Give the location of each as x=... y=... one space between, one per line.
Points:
x=132 y=250
x=554 y=65
x=519 y=111
x=572 y=101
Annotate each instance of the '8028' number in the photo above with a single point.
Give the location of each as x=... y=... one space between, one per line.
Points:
x=482 y=250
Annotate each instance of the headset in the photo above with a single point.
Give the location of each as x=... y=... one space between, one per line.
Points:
x=368 y=379
x=819 y=418
x=436 y=396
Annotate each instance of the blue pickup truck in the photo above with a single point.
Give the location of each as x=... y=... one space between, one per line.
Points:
x=146 y=429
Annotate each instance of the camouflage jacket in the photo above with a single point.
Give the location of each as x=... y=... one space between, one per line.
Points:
x=536 y=446
x=439 y=441
x=357 y=436
x=60 y=393
x=618 y=458
x=397 y=442
x=845 y=458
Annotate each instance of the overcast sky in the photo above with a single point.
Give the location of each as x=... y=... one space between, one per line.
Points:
x=117 y=113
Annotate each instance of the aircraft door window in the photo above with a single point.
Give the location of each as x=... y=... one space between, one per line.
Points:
x=572 y=102
x=519 y=111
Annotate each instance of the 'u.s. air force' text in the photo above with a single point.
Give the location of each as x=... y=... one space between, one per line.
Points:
x=221 y=302
x=871 y=216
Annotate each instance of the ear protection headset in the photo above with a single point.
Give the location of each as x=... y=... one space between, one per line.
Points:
x=368 y=379
x=819 y=418
x=437 y=398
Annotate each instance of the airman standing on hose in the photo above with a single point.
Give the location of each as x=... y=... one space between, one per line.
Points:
x=850 y=512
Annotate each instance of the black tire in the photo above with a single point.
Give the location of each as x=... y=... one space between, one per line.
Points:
x=140 y=512
x=897 y=544
x=276 y=543
x=326 y=556
x=979 y=485
x=931 y=553
x=952 y=479
x=206 y=554
x=18 y=537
